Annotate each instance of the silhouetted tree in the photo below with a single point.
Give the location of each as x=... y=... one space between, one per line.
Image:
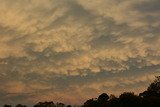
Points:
x=20 y=105
x=153 y=90
x=114 y=102
x=91 y=103
x=128 y=99
x=103 y=97
x=7 y=105
x=148 y=98
x=102 y=100
x=148 y=94
x=60 y=105
x=151 y=97
x=155 y=86
x=45 y=104
x=68 y=106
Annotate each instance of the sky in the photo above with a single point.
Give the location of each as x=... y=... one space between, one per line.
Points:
x=73 y=50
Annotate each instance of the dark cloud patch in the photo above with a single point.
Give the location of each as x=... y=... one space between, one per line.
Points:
x=52 y=47
x=76 y=12
x=103 y=41
x=6 y=30
x=148 y=6
x=79 y=11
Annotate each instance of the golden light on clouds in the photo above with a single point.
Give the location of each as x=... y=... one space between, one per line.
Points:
x=73 y=46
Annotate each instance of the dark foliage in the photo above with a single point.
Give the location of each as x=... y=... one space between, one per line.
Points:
x=148 y=98
x=155 y=86
x=20 y=105
x=45 y=104
x=50 y=104
x=7 y=105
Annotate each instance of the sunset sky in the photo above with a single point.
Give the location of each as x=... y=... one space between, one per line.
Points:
x=72 y=50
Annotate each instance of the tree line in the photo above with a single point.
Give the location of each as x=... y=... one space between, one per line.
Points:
x=149 y=98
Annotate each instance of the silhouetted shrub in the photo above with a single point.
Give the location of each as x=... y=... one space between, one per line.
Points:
x=91 y=103
x=155 y=86
x=20 y=105
x=7 y=105
x=68 y=106
x=102 y=100
x=45 y=104
x=128 y=99
x=148 y=98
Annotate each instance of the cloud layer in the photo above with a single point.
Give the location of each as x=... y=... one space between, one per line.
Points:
x=52 y=46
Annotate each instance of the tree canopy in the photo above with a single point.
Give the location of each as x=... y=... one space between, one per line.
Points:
x=149 y=98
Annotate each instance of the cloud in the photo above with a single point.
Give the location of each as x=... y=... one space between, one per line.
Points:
x=52 y=42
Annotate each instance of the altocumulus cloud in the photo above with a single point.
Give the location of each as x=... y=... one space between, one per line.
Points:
x=50 y=47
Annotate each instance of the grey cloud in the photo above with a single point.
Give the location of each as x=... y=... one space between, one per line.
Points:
x=60 y=45
x=148 y=6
